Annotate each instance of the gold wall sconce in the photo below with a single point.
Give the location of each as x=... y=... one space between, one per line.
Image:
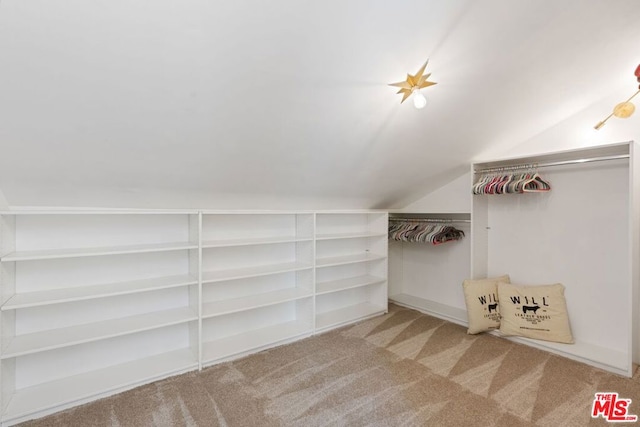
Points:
x=624 y=109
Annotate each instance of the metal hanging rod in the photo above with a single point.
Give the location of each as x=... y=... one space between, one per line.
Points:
x=436 y=220
x=549 y=164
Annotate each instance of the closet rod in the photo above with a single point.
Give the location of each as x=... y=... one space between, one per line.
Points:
x=440 y=220
x=548 y=164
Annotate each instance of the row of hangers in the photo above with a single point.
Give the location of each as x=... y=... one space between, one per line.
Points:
x=432 y=231
x=510 y=181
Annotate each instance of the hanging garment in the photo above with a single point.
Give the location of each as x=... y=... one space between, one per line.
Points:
x=501 y=182
x=423 y=232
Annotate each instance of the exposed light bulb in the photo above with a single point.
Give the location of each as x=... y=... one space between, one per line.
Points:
x=419 y=101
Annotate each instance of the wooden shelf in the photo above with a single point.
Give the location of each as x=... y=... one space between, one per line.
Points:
x=261 y=270
x=79 y=293
x=63 y=337
x=219 y=308
x=99 y=383
x=255 y=339
x=349 y=283
x=98 y=251
x=350 y=314
x=348 y=259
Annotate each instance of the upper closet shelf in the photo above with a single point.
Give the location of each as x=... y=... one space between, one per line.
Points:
x=567 y=157
x=96 y=251
x=80 y=293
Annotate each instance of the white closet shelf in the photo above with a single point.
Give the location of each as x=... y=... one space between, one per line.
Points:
x=269 y=336
x=89 y=212
x=335 y=236
x=249 y=241
x=349 y=314
x=102 y=382
x=349 y=283
x=255 y=271
x=63 y=337
x=80 y=293
x=96 y=251
x=222 y=307
x=348 y=259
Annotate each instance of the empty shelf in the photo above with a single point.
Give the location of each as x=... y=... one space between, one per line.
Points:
x=351 y=282
x=218 y=308
x=79 y=293
x=101 y=382
x=347 y=259
x=261 y=270
x=345 y=315
x=63 y=337
x=354 y=235
x=248 y=241
x=235 y=344
x=98 y=251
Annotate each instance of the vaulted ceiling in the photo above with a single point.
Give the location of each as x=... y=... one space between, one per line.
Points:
x=201 y=103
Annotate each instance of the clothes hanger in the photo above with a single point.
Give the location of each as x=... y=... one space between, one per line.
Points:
x=480 y=183
x=535 y=184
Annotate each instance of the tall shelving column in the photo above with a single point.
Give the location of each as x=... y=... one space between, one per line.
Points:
x=82 y=317
x=351 y=267
x=257 y=281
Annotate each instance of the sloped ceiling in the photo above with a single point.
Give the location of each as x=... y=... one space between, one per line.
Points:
x=250 y=104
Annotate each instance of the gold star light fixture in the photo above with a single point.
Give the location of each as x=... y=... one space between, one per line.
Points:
x=624 y=109
x=412 y=86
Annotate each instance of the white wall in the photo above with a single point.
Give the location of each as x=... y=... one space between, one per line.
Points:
x=453 y=197
x=577 y=131
x=3 y=201
x=29 y=196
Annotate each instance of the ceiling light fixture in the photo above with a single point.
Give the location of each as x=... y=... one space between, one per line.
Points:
x=624 y=109
x=412 y=86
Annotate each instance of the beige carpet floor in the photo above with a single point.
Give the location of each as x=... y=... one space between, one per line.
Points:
x=400 y=369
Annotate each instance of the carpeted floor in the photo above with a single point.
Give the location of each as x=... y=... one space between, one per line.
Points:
x=400 y=369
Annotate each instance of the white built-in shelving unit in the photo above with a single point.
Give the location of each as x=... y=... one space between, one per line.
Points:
x=96 y=302
x=257 y=281
x=93 y=303
x=351 y=267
